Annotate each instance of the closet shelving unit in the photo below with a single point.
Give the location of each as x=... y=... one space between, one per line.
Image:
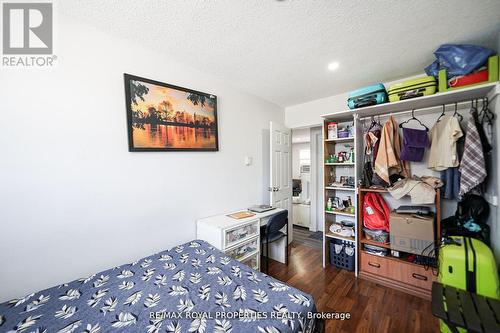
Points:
x=331 y=147
x=396 y=278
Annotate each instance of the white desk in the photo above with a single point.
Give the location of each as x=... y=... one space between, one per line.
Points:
x=240 y=239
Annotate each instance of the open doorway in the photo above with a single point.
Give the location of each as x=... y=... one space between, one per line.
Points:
x=307 y=173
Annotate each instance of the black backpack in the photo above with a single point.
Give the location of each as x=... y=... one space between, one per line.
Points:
x=475 y=207
x=470 y=207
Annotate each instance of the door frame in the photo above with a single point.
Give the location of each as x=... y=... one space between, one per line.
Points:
x=316 y=176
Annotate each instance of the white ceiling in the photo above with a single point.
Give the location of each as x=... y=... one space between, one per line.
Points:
x=279 y=50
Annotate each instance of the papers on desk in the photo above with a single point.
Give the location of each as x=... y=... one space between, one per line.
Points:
x=241 y=215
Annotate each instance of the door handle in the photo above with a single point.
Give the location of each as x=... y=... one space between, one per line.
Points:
x=376 y=265
x=419 y=277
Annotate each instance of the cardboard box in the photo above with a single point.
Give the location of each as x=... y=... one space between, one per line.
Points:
x=412 y=233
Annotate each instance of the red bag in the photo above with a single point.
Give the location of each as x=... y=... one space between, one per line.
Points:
x=376 y=212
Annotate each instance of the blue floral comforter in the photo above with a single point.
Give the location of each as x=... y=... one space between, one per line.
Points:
x=191 y=288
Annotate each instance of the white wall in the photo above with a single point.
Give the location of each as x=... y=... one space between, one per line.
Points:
x=301 y=135
x=73 y=200
x=309 y=114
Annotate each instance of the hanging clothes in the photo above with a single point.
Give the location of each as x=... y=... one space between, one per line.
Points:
x=451 y=176
x=451 y=179
x=487 y=148
x=415 y=141
x=444 y=135
x=371 y=142
x=473 y=166
x=388 y=161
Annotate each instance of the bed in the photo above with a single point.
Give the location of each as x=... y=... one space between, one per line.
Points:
x=190 y=288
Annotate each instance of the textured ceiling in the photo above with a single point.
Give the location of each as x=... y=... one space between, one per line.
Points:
x=279 y=50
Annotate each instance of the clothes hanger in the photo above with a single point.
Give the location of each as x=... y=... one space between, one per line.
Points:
x=460 y=117
x=473 y=108
x=373 y=123
x=442 y=114
x=486 y=113
x=413 y=118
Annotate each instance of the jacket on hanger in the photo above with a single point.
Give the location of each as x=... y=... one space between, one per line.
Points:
x=388 y=161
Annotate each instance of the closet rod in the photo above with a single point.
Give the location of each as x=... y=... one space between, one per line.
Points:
x=427 y=110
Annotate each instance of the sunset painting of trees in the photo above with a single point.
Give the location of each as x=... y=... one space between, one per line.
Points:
x=165 y=117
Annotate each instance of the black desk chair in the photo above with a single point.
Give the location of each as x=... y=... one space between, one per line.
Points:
x=270 y=233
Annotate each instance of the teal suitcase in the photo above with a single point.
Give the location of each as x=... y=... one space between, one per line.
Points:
x=371 y=95
x=468 y=264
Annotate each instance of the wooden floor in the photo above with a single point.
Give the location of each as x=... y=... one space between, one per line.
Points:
x=373 y=308
x=302 y=235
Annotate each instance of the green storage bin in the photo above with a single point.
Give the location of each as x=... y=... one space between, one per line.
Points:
x=422 y=86
x=468 y=265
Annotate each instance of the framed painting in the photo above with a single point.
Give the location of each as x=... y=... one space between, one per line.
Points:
x=164 y=117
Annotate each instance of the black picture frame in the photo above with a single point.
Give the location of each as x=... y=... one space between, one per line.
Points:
x=131 y=121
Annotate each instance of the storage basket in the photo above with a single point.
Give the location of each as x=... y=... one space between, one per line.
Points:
x=342 y=259
x=379 y=236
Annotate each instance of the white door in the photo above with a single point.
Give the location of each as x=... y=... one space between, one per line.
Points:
x=281 y=171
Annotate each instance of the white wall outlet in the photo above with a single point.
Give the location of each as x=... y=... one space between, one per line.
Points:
x=248 y=160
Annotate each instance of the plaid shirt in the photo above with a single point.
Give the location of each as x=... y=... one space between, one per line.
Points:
x=473 y=165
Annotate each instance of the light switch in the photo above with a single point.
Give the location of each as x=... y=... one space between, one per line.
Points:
x=248 y=160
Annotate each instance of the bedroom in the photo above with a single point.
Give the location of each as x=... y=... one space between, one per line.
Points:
x=80 y=197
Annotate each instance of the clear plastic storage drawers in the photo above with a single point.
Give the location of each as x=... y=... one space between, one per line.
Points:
x=234 y=236
x=244 y=249
x=252 y=261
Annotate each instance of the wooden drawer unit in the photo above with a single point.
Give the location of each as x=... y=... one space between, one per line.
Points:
x=374 y=264
x=415 y=275
x=395 y=273
x=244 y=249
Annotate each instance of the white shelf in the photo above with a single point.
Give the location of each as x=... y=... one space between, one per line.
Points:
x=343 y=164
x=340 y=188
x=349 y=239
x=340 y=213
x=420 y=103
x=340 y=139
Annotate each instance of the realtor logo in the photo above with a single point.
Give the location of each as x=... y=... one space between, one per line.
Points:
x=27 y=30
